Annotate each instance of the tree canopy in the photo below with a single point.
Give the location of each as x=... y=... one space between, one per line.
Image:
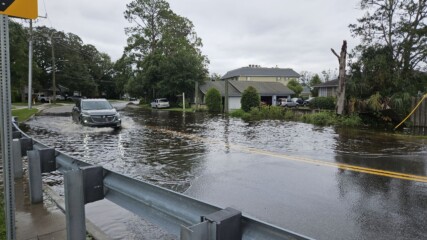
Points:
x=165 y=50
x=79 y=67
x=392 y=52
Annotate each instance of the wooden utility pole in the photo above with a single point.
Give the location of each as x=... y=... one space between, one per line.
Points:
x=341 y=78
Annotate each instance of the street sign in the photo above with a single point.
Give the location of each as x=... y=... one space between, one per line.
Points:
x=19 y=8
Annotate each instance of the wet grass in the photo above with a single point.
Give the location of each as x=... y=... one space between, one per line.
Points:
x=24 y=114
x=323 y=118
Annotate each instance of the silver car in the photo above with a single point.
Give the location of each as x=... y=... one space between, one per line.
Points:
x=96 y=113
x=160 y=103
x=284 y=102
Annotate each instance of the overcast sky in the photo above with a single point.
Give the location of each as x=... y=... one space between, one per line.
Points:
x=294 y=34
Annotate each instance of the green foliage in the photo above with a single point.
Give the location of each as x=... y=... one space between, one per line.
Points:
x=320 y=118
x=393 y=48
x=327 y=103
x=213 y=100
x=166 y=50
x=24 y=114
x=295 y=86
x=239 y=113
x=315 y=80
x=250 y=99
x=328 y=118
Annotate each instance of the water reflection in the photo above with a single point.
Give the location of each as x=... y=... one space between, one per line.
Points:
x=380 y=205
x=202 y=154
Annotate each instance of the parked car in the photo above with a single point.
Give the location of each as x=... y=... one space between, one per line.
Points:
x=96 y=113
x=59 y=97
x=298 y=100
x=285 y=102
x=160 y=103
x=307 y=101
x=41 y=97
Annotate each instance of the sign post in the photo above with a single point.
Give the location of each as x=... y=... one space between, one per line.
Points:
x=21 y=9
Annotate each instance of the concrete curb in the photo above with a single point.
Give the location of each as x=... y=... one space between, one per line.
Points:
x=91 y=228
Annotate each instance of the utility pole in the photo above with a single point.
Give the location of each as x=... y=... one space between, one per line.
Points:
x=30 y=66
x=53 y=69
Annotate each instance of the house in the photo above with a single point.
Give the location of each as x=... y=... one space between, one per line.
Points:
x=269 y=92
x=306 y=92
x=327 y=89
x=257 y=73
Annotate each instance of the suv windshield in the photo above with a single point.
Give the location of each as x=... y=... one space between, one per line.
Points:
x=163 y=100
x=96 y=105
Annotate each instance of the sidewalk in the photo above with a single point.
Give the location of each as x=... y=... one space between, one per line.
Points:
x=37 y=221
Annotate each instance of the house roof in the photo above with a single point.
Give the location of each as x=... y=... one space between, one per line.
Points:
x=332 y=83
x=306 y=90
x=220 y=86
x=263 y=88
x=236 y=88
x=261 y=72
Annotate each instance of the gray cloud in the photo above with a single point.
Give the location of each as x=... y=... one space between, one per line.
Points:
x=235 y=33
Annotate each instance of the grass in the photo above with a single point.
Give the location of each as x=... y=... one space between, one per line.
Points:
x=324 y=118
x=24 y=114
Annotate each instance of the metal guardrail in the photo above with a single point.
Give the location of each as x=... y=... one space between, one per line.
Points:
x=176 y=213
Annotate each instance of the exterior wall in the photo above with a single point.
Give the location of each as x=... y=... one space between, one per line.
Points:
x=283 y=80
x=234 y=103
x=328 y=92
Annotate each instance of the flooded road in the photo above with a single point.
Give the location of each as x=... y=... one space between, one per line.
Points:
x=322 y=182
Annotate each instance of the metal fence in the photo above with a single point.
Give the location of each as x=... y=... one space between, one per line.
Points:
x=178 y=214
x=419 y=118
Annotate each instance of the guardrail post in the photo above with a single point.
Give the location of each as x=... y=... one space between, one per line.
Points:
x=16 y=134
x=222 y=225
x=74 y=204
x=17 y=158
x=82 y=186
x=39 y=161
x=35 y=176
x=26 y=145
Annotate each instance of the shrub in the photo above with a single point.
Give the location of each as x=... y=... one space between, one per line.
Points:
x=327 y=103
x=213 y=100
x=350 y=121
x=250 y=99
x=320 y=118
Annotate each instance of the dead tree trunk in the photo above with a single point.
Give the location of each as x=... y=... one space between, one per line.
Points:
x=341 y=78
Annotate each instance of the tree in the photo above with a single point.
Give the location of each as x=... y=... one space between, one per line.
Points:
x=18 y=60
x=213 y=100
x=295 y=86
x=315 y=80
x=165 y=49
x=250 y=99
x=400 y=27
x=341 y=78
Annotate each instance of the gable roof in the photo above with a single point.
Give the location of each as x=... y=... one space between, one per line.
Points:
x=332 y=83
x=236 y=88
x=261 y=72
x=220 y=86
x=263 y=88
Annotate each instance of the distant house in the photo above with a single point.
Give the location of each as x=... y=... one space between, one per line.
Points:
x=269 y=92
x=328 y=89
x=257 y=73
x=306 y=92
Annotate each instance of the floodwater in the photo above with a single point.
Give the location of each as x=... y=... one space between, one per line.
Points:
x=317 y=181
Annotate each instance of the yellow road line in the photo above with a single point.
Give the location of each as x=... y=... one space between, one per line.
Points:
x=343 y=166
